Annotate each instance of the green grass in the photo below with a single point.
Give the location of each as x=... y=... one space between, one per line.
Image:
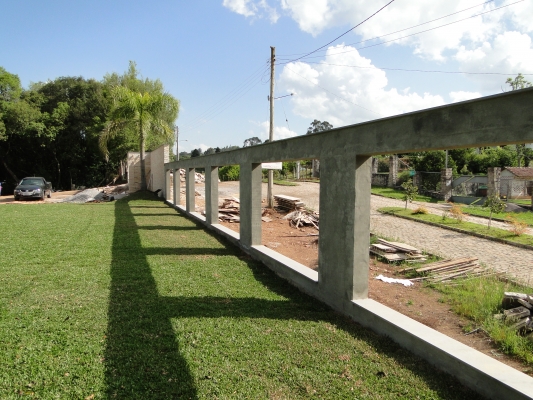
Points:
x=130 y=300
x=281 y=182
x=466 y=226
x=398 y=194
x=526 y=217
x=479 y=299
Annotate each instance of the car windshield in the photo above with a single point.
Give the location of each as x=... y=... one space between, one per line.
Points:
x=31 y=182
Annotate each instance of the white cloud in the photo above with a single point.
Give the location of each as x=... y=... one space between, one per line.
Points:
x=462 y=96
x=280 y=132
x=342 y=95
x=250 y=8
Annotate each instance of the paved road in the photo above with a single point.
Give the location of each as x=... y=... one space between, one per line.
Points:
x=513 y=260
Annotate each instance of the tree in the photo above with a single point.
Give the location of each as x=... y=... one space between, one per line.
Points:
x=410 y=191
x=252 y=141
x=495 y=205
x=196 y=153
x=316 y=127
x=146 y=113
x=209 y=151
x=517 y=83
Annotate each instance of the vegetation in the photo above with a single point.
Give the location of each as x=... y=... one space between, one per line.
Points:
x=495 y=205
x=409 y=192
x=398 y=194
x=53 y=129
x=479 y=299
x=466 y=226
x=149 y=306
x=229 y=173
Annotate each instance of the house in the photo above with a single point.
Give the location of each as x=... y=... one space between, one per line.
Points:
x=516 y=182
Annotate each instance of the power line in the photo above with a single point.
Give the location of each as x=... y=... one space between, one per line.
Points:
x=406 y=36
x=405 y=29
x=414 y=70
x=349 y=30
x=336 y=95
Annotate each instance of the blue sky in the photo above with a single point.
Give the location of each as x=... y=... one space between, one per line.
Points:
x=213 y=55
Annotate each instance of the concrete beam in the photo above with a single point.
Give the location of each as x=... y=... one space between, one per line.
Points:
x=489 y=121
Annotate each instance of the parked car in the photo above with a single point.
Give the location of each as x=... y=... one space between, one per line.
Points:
x=33 y=187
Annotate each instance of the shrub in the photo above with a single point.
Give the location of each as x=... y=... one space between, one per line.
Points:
x=403 y=176
x=229 y=173
x=421 y=210
x=517 y=227
x=457 y=212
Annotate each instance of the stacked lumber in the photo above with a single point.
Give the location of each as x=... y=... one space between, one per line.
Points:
x=229 y=210
x=445 y=271
x=396 y=251
x=517 y=312
x=288 y=202
x=299 y=219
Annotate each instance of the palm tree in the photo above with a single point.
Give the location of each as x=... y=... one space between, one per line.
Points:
x=143 y=114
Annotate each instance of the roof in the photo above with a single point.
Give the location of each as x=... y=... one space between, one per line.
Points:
x=521 y=172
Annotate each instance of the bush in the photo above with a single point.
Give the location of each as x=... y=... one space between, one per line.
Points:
x=457 y=212
x=421 y=210
x=229 y=173
x=517 y=227
x=403 y=177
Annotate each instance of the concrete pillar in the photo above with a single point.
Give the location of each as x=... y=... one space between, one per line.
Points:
x=177 y=183
x=211 y=194
x=345 y=231
x=189 y=190
x=446 y=178
x=393 y=171
x=250 y=197
x=375 y=164
x=166 y=192
x=493 y=184
x=417 y=179
x=315 y=168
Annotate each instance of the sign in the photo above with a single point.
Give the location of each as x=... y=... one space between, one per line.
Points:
x=271 y=165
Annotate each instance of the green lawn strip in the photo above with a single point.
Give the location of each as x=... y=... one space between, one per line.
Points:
x=130 y=300
x=479 y=299
x=282 y=183
x=466 y=227
x=398 y=195
x=526 y=217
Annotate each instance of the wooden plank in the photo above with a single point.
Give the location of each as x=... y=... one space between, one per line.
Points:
x=441 y=264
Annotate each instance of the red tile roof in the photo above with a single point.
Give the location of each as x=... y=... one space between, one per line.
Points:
x=521 y=172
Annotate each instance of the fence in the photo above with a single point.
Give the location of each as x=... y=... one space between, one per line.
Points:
x=345 y=161
x=380 y=179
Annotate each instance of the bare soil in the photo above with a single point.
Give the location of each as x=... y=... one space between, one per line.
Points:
x=418 y=302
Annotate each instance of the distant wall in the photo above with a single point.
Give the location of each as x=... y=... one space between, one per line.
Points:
x=154 y=163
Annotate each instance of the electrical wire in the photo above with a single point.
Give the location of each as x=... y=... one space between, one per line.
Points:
x=414 y=70
x=406 y=36
x=401 y=30
x=348 y=31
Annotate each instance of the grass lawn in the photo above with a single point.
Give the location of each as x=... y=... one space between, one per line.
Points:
x=526 y=217
x=398 y=194
x=130 y=300
x=466 y=226
x=281 y=182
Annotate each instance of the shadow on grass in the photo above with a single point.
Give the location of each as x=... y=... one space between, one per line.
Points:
x=142 y=356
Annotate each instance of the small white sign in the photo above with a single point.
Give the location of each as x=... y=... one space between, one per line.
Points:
x=271 y=165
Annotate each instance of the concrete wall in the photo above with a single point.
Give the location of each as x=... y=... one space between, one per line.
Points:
x=345 y=156
x=154 y=168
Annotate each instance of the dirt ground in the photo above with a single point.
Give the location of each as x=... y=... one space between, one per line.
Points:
x=417 y=302
x=54 y=199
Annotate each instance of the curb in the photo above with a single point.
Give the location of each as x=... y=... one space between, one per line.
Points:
x=459 y=230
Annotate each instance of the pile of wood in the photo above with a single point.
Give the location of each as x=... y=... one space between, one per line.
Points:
x=288 y=203
x=229 y=210
x=447 y=270
x=299 y=219
x=396 y=251
x=517 y=312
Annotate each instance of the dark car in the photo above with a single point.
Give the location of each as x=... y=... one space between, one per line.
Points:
x=33 y=187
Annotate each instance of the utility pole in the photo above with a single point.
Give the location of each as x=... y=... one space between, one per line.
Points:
x=271 y=131
x=177 y=145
